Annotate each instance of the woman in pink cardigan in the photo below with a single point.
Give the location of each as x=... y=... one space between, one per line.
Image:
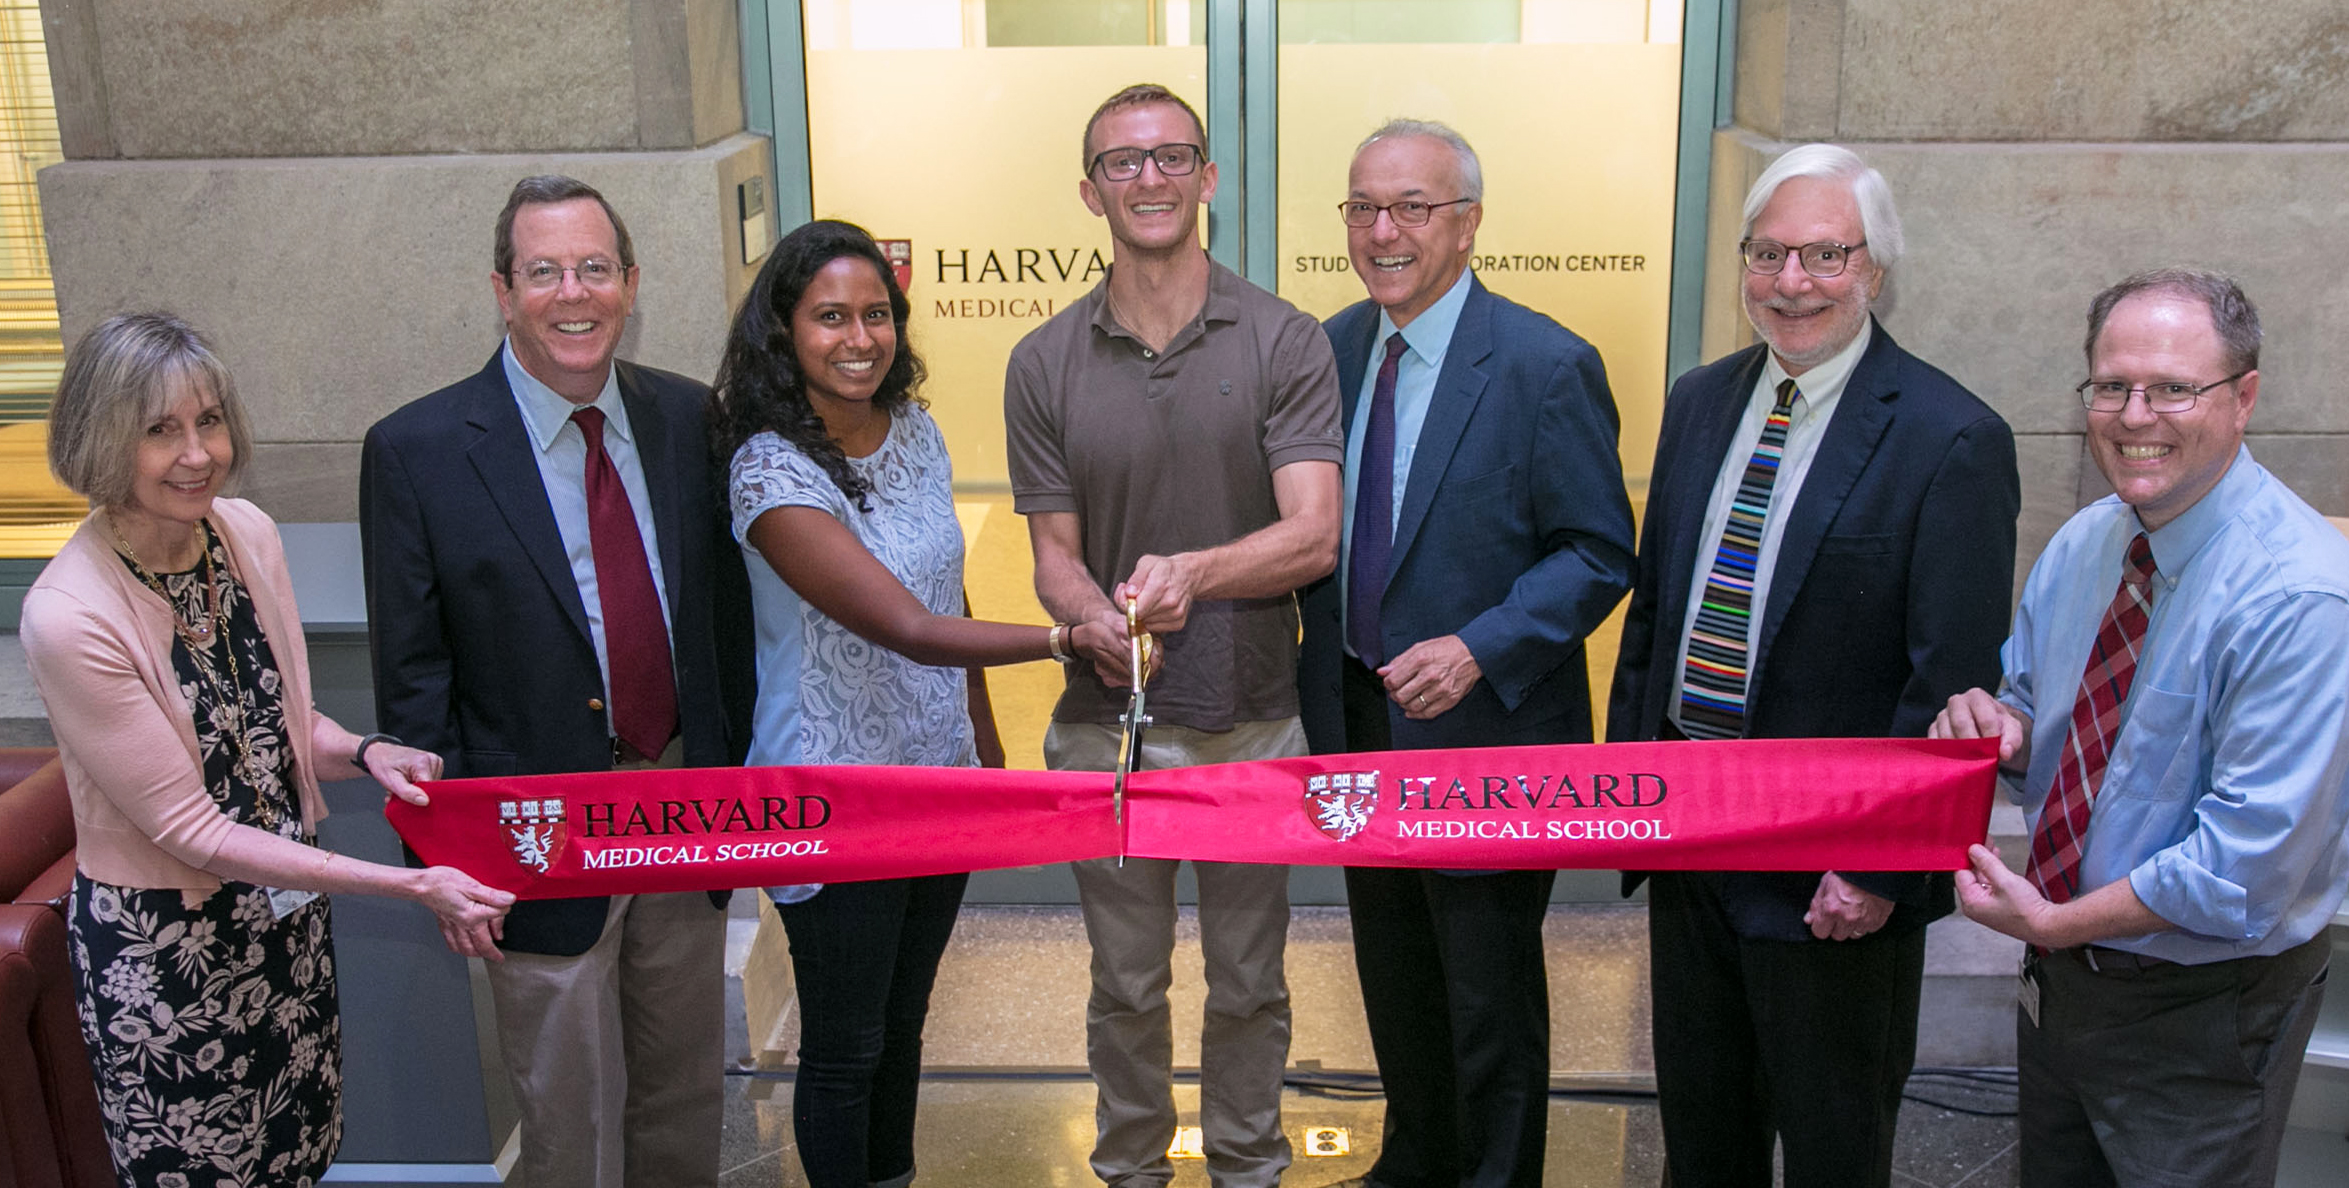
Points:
x=164 y=640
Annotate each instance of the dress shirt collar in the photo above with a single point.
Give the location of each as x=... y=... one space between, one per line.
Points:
x=1430 y=334
x=1821 y=385
x=2175 y=543
x=545 y=411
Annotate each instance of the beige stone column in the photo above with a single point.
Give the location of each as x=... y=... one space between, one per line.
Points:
x=315 y=186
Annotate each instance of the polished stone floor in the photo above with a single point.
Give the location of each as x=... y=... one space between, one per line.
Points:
x=1008 y=1105
x=1017 y=1132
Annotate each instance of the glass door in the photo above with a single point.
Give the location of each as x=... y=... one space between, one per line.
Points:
x=951 y=130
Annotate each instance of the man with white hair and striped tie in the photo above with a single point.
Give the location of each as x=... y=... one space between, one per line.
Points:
x=1828 y=553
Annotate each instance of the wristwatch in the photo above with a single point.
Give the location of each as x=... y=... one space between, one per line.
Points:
x=359 y=754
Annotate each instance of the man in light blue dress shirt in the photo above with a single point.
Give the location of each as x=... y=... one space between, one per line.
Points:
x=2168 y=999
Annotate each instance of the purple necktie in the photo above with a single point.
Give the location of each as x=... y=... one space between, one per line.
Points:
x=1374 y=514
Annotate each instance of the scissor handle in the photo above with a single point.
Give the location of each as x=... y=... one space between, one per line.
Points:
x=1140 y=644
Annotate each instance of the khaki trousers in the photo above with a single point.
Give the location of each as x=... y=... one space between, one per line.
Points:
x=618 y=1055
x=1243 y=927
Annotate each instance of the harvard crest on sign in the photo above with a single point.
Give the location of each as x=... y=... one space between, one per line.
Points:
x=900 y=255
x=536 y=830
x=1340 y=802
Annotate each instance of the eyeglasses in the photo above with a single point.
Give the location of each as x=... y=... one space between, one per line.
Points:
x=595 y=273
x=1125 y=163
x=1766 y=257
x=2113 y=395
x=1412 y=213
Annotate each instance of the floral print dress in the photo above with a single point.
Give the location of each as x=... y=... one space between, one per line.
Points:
x=213 y=1029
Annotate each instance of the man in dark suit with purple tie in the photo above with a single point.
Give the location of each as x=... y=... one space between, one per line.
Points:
x=1488 y=535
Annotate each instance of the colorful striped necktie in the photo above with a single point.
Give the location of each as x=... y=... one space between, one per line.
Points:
x=1712 y=693
x=2057 y=844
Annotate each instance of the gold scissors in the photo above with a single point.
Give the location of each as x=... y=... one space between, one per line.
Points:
x=1141 y=649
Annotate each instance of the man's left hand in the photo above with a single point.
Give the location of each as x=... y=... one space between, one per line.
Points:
x=1841 y=911
x=1994 y=896
x=1431 y=676
x=1160 y=589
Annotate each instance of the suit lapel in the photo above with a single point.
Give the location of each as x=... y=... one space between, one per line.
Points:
x=1459 y=386
x=507 y=462
x=1353 y=352
x=653 y=443
x=1861 y=418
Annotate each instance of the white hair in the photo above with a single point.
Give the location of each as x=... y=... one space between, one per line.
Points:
x=1879 y=221
x=1471 y=170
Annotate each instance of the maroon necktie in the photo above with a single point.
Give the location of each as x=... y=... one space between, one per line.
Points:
x=2096 y=722
x=636 y=640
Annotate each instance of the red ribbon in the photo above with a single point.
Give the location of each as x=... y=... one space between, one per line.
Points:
x=1809 y=804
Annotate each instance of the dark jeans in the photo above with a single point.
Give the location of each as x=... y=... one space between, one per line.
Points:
x=864 y=956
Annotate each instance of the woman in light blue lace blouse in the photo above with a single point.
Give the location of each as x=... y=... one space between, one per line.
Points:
x=843 y=499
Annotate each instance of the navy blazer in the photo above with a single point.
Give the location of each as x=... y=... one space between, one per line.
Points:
x=1890 y=594
x=480 y=640
x=1514 y=532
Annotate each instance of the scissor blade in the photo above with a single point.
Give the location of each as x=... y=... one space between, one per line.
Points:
x=1129 y=741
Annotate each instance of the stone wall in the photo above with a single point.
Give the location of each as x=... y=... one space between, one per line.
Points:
x=315 y=185
x=2040 y=153
x=273 y=78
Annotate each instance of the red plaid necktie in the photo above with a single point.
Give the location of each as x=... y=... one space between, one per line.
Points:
x=636 y=640
x=2096 y=722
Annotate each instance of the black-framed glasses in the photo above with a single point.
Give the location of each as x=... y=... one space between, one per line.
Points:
x=1408 y=213
x=2169 y=397
x=595 y=272
x=1125 y=162
x=1824 y=259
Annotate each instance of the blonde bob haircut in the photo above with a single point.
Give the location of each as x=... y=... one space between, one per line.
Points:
x=119 y=379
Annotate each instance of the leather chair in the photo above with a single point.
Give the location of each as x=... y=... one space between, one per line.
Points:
x=50 y=1134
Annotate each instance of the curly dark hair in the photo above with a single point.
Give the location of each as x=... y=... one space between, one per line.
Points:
x=759 y=385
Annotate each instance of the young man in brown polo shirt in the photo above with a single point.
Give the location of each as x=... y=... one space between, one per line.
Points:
x=1173 y=440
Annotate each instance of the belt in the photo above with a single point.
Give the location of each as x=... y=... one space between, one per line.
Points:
x=2117 y=961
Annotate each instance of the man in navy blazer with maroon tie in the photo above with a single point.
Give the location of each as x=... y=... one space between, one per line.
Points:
x=550 y=589
x=1488 y=534
x=1828 y=552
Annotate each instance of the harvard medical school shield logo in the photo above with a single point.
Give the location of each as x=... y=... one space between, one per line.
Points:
x=900 y=254
x=535 y=827
x=1341 y=802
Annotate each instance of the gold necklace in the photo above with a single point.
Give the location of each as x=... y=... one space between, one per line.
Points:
x=199 y=634
x=199 y=637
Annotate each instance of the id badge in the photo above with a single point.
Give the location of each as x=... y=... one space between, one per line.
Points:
x=2027 y=988
x=284 y=901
